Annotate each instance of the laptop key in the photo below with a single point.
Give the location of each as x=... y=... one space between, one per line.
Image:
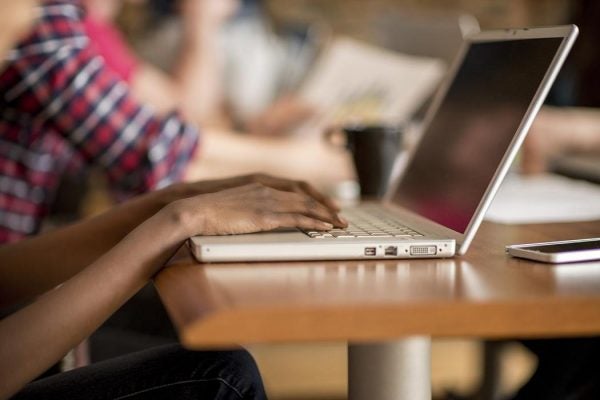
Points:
x=368 y=224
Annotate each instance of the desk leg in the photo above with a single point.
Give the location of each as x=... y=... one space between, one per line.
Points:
x=398 y=370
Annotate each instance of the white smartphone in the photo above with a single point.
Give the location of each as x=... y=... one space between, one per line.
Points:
x=558 y=252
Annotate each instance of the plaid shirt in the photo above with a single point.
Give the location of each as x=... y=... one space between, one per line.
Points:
x=59 y=103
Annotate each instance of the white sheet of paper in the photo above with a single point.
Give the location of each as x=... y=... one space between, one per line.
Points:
x=357 y=82
x=544 y=199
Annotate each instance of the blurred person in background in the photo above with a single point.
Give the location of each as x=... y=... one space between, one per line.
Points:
x=75 y=97
x=193 y=85
x=62 y=108
x=265 y=64
x=261 y=65
x=561 y=131
x=570 y=122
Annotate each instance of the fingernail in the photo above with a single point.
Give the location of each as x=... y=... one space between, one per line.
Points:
x=327 y=225
x=342 y=220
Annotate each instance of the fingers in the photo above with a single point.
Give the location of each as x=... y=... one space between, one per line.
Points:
x=314 y=193
x=255 y=207
x=533 y=161
x=296 y=186
x=291 y=220
x=284 y=185
x=264 y=199
x=303 y=204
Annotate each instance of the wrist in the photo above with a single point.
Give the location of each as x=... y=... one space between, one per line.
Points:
x=150 y=244
x=182 y=221
x=174 y=192
x=585 y=137
x=201 y=30
x=200 y=44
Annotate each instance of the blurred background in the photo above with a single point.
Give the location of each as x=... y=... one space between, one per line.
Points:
x=271 y=46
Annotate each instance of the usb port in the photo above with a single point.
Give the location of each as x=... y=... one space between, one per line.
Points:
x=370 y=251
x=391 y=251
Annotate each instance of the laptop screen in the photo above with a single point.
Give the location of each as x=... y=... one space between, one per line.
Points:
x=472 y=129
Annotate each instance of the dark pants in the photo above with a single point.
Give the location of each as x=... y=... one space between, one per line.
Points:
x=141 y=323
x=568 y=369
x=166 y=372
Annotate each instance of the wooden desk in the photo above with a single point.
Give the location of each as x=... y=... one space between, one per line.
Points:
x=374 y=304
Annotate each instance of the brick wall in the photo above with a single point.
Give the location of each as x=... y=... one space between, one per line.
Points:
x=356 y=17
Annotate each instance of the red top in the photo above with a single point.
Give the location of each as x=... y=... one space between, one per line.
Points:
x=108 y=42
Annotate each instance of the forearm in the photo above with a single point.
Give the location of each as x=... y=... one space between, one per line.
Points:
x=194 y=86
x=584 y=124
x=36 y=265
x=33 y=266
x=34 y=338
x=197 y=75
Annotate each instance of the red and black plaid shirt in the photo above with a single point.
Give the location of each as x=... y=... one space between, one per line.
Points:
x=59 y=103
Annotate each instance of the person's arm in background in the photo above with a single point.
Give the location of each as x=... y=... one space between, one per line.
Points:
x=18 y=17
x=195 y=84
x=32 y=339
x=281 y=117
x=560 y=130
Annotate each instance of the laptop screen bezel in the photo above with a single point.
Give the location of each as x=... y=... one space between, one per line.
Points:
x=568 y=33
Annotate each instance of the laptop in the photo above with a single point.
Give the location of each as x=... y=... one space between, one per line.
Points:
x=435 y=203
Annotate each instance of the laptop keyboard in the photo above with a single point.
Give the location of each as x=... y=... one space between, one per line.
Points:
x=368 y=222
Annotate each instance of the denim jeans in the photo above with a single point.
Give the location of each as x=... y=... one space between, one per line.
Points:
x=166 y=372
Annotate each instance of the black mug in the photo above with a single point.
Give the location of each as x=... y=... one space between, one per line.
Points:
x=374 y=149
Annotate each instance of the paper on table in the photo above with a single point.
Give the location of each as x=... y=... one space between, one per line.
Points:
x=355 y=82
x=544 y=199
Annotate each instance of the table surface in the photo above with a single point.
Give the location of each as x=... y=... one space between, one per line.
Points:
x=484 y=294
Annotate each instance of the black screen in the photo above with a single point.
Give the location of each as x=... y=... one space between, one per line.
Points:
x=562 y=247
x=472 y=129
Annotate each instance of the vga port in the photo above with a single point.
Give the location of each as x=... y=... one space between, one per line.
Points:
x=423 y=250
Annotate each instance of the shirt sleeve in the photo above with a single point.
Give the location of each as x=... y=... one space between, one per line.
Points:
x=70 y=91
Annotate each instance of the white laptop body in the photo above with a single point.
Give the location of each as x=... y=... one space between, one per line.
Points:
x=471 y=133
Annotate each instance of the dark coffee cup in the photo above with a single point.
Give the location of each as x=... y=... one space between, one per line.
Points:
x=374 y=149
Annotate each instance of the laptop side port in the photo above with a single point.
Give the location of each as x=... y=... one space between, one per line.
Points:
x=370 y=251
x=391 y=251
x=423 y=250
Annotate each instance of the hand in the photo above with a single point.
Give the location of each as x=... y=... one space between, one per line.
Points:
x=208 y=13
x=548 y=136
x=286 y=185
x=251 y=208
x=557 y=131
